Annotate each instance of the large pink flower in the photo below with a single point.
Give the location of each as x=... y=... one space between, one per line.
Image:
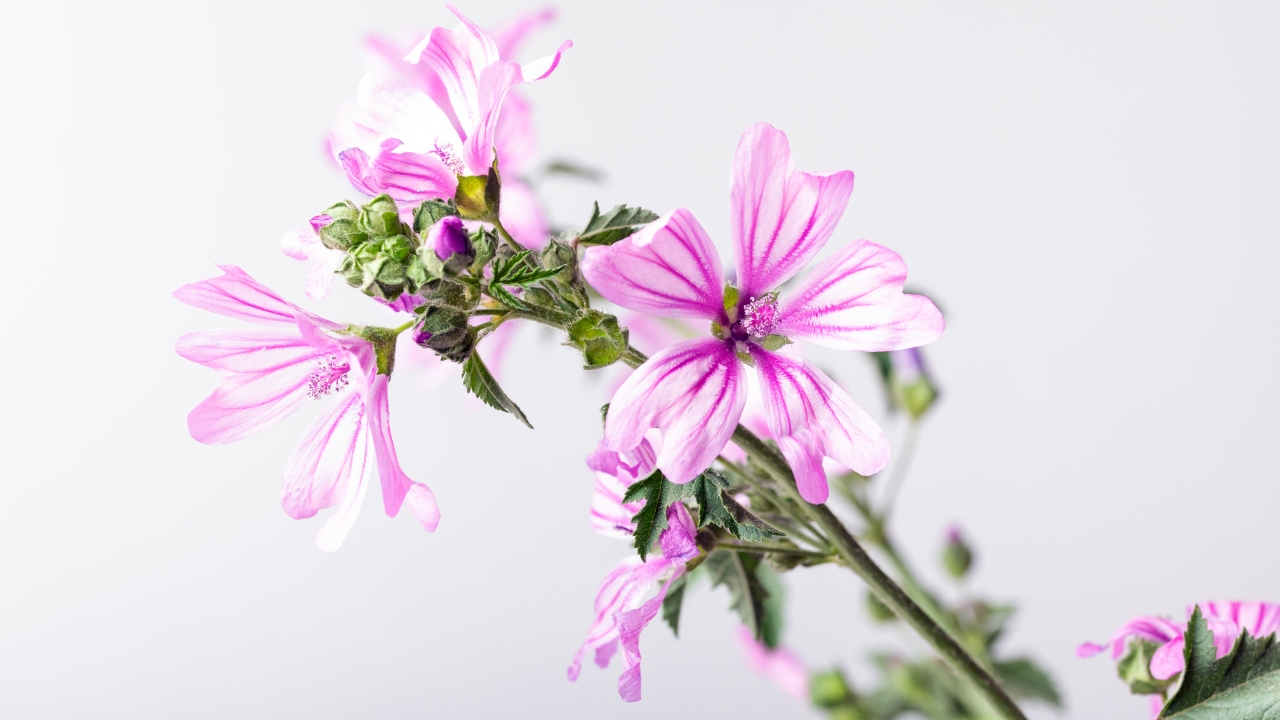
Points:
x=417 y=135
x=269 y=373
x=621 y=610
x=694 y=391
x=1225 y=619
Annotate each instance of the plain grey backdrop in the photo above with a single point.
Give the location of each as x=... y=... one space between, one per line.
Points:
x=1088 y=189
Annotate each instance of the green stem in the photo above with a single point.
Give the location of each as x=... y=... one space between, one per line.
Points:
x=506 y=236
x=775 y=549
x=885 y=589
x=846 y=546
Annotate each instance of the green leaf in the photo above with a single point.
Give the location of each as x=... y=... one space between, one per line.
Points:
x=717 y=506
x=774 y=342
x=480 y=382
x=518 y=270
x=673 y=602
x=771 y=621
x=1024 y=679
x=657 y=493
x=620 y=222
x=1244 y=684
x=599 y=337
x=736 y=570
x=572 y=169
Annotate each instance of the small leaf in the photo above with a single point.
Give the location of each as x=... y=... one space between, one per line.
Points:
x=620 y=222
x=774 y=342
x=480 y=382
x=1244 y=684
x=718 y=507
x=673 y=602
x=736 y=570
x=1024 y=679
x=657 y=493
x=504 y=296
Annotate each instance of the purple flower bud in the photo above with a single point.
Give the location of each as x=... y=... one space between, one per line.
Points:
x=907 y=364
x=448 y=237
x=320 y=221
x=420 y=336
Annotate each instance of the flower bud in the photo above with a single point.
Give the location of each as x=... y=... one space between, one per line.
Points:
x=828 y=689
x=443 y=318
x=878 y=611
x=956 y=556
x=447 y=237
x=906 y=381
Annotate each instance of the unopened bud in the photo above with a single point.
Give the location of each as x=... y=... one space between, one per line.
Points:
x=828 y=689
x=956 y=556
x=448 y=238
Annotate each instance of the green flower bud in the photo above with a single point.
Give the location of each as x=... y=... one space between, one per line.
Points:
x=878 y=611
x=430 y=212
x=828 y=689
x=599 y=337
x=956 y=556
x=1135 y=669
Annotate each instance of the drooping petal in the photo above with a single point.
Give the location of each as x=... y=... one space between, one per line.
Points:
x=694 y=392
x=622 y=589
x=668 y=269
x=615 y=472
x=332 y=454
x=779 y=665
x=397 y=488
x=1168 y=660
x=853 y=300
x=304 y=244
x=408 y=177
x=544 y=66
x=780 y=218
x=521 y=214
x=458 y=56
x=811 y=417
x=510 y=35
x=630 y=624
x=1156 y=629
x=236 y=295
x=678 y=540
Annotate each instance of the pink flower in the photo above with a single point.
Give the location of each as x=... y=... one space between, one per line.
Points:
x=416 y=137
x=304 y=244
x=778 y=664
x=269 y=373
x=615 y=472
x=1227 y=620
x=694 y=391
x=621 y=610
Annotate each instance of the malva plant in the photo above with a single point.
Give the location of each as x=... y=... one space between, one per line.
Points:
x=718 y=454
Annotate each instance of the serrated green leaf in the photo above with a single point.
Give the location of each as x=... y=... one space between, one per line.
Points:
x=477 y=379
x=1244 y=684
x=736 y=570
x=504 y=296
x=716 y=505
x=1024 y=679
x=657 y=493
x=673 y=602
x=620 y=222
x=519 y=270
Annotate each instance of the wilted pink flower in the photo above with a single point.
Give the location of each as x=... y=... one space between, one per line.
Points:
x=779 y=665
x=615 y=472
x=269 y=373
x=1227 y=620
x=694 y=391
x=414 y=140
x=621 y=610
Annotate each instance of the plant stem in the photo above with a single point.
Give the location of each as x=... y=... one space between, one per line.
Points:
x=885 y=589
x=506 y=236
x=846 y=546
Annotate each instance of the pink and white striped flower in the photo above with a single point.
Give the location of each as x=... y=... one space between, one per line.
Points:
x=269 y=373
x=615 y=472
x=1227 y=620
x=621 y=609
x=417 y=136
x=694 y=391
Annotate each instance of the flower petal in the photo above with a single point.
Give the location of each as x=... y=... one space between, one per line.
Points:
x=630 y=624
x=458 y=56
x=668 y=269
x=779 y=665
x=694 y=392
x=515 y=142
x=301 y=244
x=396 y=486
x=621 y=590
x=247 y=350
x=408 y=177
x=236 y=295
x=521 y=213
x=780 y=218
x=812 y=417
x=853 y=300
x=332 y=454
x=1168 y=660
x=544 y=66
x=495 y=81
x=615 y=472
x=1259 y=618
x=321 y=273
x=247 y=402
x=396 y=109
x=677 y=540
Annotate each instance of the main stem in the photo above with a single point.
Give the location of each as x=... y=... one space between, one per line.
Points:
x=847 y=546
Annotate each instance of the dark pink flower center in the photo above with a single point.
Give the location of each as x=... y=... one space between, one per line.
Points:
x=759 y=316
x=330 y=376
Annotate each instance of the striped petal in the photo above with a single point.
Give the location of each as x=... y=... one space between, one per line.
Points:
x=668 y=269
x=853 y=300
x=408 y=177
x=458 y=56
x=780 y=218
x=693 y=392
x=811 y=417
x=236 y=295
x=397 y=488
x=330 y=461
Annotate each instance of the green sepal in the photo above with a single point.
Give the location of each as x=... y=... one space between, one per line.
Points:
x=430 y=212
x=957 y=558
x=736 y=570
x=619 y=223
x=731 y=303
x=1244 y=684
x=477 y=379
x=774 y=342
x=1135 y=669
x=673 y=602
x=1025 y=680
x=599 y=337
x=477 y=196
x=383 y=341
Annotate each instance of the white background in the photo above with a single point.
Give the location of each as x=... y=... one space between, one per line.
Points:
x=1090 y=190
